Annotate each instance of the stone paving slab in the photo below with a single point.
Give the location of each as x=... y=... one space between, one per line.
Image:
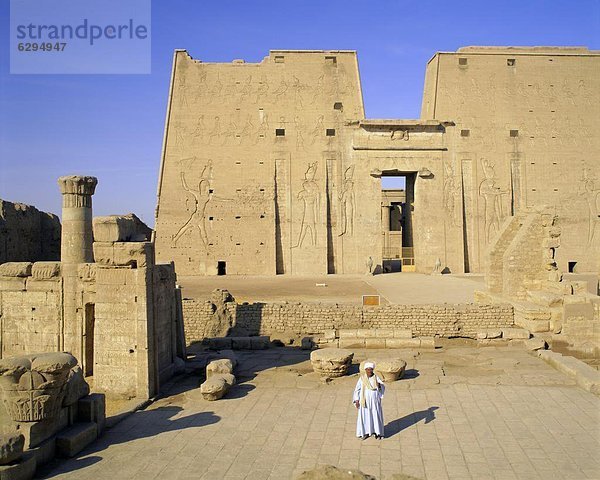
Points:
x=507 y=415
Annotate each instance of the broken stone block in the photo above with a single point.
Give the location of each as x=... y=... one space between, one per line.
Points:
x=375 y=343
x=73 y=440
x=216 y=386
x=219 y=343
x=241 y=343
x=331 y=362
x=535 y=343
x=390 y=369
x=228 y=354
x=215 y=367
x=11 y=447
x=402 y=342
x=351 y=343
x=260 y=343
x=23 y=469
x=16 y=269
x=45 y=270
x=76 y=387
x=489 y=334
x=515 y=333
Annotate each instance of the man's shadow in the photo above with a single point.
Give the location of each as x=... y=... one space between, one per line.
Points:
x=396 y=426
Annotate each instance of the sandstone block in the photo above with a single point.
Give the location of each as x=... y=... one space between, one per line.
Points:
x=92 y=408
x=241 y=343
x=24 y=469
x=402 y=342
x=260 y=343
x=15 y=269
x=331 y=362
x=11 y=447
x=427 y=342
x=215 y=367
x=384 y=333
x=535 y=343
x=220 y=343
x=120 y=228
x=351 y=343
x=216 y=386
x=45 y=270
x=307 y=343
x=515 y=333
x=390 y=369
x=73 y=440
x=345 y=333
x=375 y=342
x=45 y=452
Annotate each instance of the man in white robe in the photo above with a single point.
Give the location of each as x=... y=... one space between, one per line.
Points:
x=367 y=399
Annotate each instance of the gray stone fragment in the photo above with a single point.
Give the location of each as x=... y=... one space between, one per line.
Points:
x=73 y=440
x=11 y=447
x=24 y=469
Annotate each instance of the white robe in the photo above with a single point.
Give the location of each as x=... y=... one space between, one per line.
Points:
x=370 y=417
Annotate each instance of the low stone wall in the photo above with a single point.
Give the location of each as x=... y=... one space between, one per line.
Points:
x=445 y=320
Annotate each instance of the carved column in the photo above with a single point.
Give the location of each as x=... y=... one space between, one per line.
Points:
x=76 y=248
x=77 y=237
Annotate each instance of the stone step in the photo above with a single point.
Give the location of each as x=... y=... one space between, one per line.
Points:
x=73 y=440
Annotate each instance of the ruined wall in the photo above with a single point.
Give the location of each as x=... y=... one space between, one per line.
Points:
x=524 y=136
x=27 y=235
x=423 y=320
x=254 y=156
x=30 y=308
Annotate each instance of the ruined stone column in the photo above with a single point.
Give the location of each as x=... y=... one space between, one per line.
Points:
x=385 y=218
x=77 y=237
x=76 y=248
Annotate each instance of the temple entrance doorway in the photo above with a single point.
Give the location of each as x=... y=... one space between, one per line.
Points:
x=397 y=209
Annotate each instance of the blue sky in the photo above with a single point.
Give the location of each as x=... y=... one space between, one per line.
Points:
x=111 y=126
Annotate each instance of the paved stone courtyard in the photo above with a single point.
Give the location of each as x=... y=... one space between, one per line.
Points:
x=461 y=412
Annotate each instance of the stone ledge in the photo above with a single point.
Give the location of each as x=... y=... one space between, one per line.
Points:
x=586 y=377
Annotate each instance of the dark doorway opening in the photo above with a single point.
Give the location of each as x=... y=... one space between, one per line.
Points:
x=397 y=206
x=572 y=267
x=221 y=268
x=88 y=340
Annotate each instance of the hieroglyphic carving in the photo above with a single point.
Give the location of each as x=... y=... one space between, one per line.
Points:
x=492 y=195
x=590 y=191
x=311 y=201
x=299 y=135
x=263 y=89
x=399 y=135
x=281 y=89
x=263 y=127
x=451 y=190
x=216 y=130
x=347 y=203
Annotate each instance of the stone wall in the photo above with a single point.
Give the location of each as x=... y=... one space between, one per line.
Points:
x=445 y=320
x=27 y=235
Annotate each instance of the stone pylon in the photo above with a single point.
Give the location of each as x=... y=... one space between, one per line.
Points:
x=76 y=247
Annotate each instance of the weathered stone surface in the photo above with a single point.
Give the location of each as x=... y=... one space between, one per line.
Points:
x=216 y=386
x=33 y=385
x=535 y=343
x=331 y=362
x=11 y=447
x=45 y=270
x=219 y=366
x=28 y=234
x=515 y=333
x=586 y=377
x=73 y=440
x=92 y=408
x=16 y=269
x=329 y=472
x=76 y=387
x=390 y=369
x=120 y=228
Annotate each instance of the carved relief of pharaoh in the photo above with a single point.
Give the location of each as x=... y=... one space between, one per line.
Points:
x=311 y=200
x=492 y=195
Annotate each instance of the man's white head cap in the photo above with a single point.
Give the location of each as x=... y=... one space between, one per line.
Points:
x=369 y=365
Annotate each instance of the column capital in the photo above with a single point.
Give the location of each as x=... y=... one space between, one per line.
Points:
x=77 y=184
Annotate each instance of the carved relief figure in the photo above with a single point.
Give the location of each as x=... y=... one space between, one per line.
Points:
x=298 y=87
x=262 y=90
x=261 y=131
x=202 y=196
x=247 y=129
x=347 y=203
x=318 y=130
x=589 y=189
x=183 y=91
x=311 y=201
x=199 y=130
x=281 y=89
x=399 y=135
x=492 y=195
x=299 y=137
x=216 y=130
x=247 y=88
